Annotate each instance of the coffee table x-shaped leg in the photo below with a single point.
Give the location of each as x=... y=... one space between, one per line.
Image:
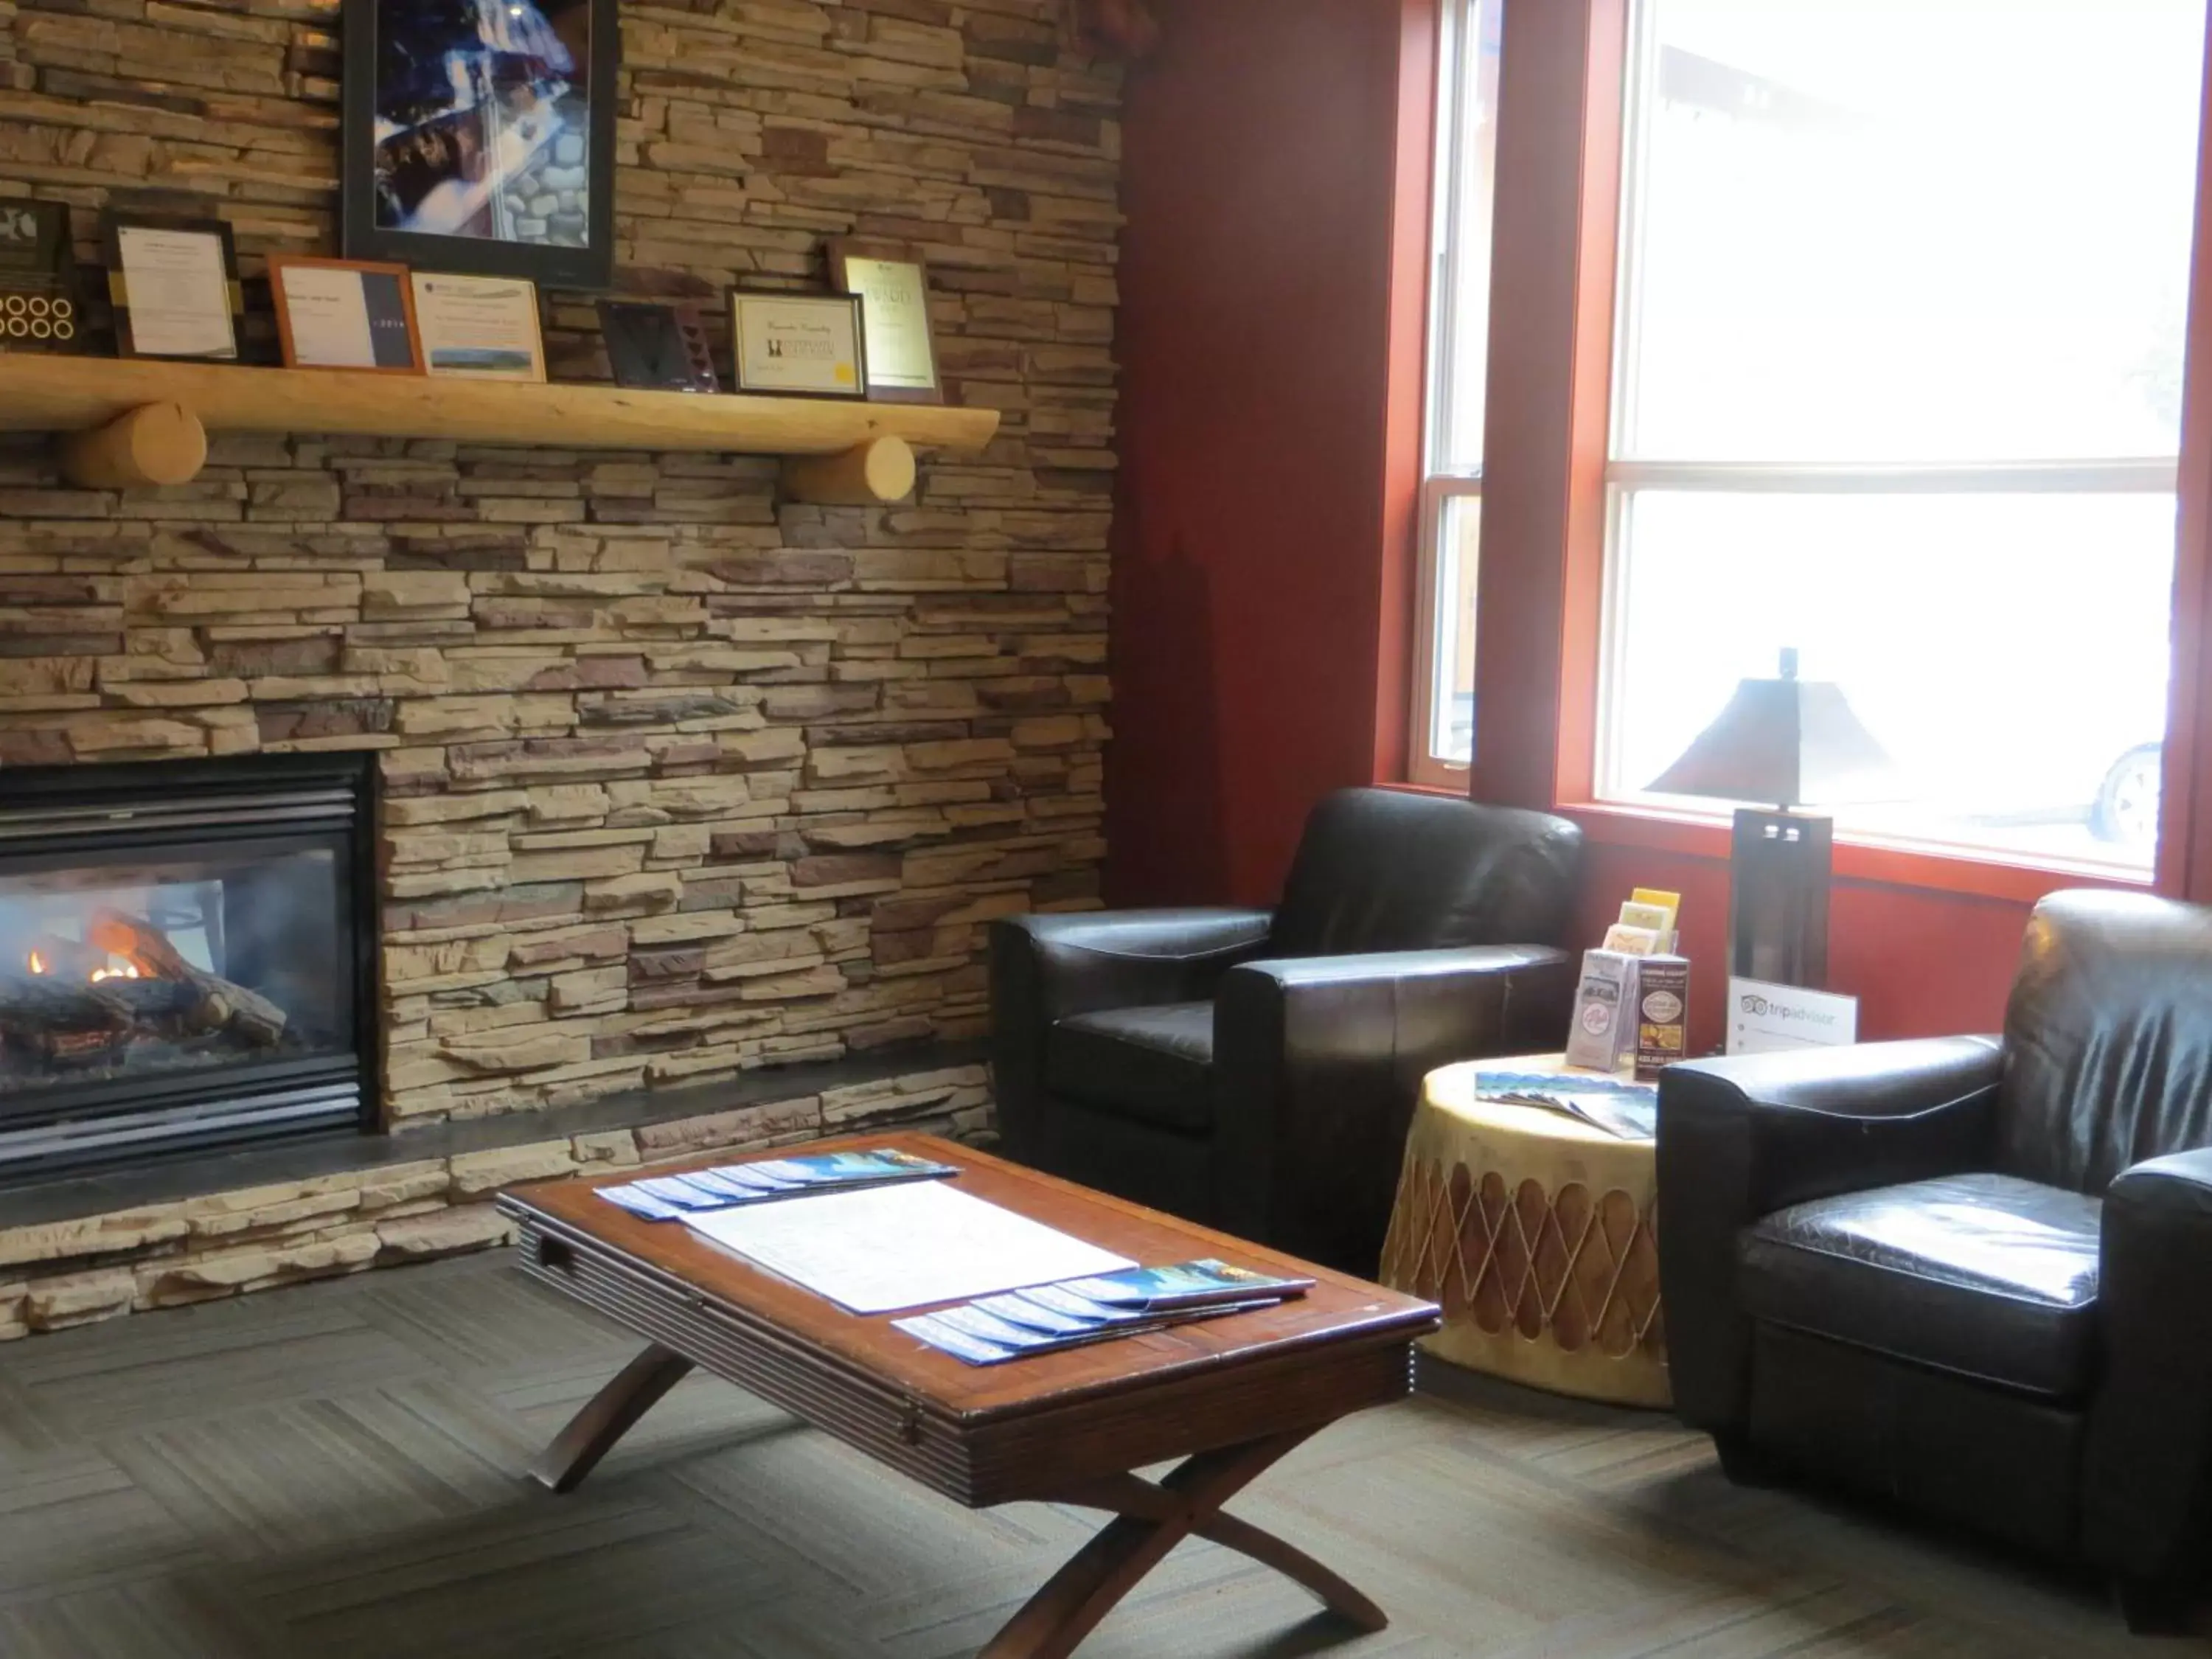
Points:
x=1149 y=1519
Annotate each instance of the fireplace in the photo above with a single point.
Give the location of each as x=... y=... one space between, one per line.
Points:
x=187 y=955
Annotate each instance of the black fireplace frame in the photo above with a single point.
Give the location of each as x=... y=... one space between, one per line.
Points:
x=47 y=813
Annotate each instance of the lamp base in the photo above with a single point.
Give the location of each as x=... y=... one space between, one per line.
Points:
x=1778 y=896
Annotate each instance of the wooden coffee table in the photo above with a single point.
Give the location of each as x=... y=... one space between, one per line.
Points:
x=1229 y=1396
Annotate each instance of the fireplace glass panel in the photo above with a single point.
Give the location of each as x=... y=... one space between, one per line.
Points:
x=134 y=969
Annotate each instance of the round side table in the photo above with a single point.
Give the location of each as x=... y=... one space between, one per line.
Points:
x=1534 y=1231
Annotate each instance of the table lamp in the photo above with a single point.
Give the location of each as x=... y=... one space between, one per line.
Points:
x=1793 y=742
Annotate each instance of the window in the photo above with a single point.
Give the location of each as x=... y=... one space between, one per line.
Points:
x=1459 y=342
x=1897 y=384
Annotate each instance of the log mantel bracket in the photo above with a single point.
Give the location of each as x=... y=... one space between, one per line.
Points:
x=131 y=422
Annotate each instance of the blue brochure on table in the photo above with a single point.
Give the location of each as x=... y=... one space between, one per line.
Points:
x=1187 y=1284
x=1048 y=1318
x=671 y=1197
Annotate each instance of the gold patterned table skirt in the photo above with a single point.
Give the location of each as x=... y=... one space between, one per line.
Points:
x=1535 y=1232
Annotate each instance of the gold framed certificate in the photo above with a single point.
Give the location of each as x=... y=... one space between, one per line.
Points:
x=893 y=289
x=483 y=328
x=808 y=345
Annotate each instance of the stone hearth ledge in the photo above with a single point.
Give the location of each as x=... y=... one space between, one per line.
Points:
x=74 y=1250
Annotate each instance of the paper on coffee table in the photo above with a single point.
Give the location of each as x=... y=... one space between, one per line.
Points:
x=891 y=1247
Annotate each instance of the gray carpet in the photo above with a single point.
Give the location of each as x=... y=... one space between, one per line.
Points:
x=333 y=1471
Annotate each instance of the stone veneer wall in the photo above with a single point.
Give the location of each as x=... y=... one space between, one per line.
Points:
x=681 y=778
x=57 y=1274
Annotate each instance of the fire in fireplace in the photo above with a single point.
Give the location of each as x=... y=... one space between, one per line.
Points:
x=186 y=954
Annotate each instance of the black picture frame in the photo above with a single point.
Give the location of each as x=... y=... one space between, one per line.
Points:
x=113 y=222
x=550 y=264
x=657 y=346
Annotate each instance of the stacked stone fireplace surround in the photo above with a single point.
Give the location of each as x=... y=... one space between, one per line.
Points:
x=682 y=781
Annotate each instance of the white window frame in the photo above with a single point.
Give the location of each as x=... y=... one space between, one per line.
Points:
x=1457 y=58
x=1624 y=478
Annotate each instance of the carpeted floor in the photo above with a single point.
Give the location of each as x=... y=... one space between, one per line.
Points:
x=333 y=1471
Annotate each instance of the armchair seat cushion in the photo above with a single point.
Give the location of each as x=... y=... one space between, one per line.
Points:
x=1987 y=1276
x=1152 y=1065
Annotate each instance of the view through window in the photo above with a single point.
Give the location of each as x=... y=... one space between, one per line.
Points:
x=1466 y=153
x=1898 y=364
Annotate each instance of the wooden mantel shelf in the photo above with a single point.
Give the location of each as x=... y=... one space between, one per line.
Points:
x=131 y=422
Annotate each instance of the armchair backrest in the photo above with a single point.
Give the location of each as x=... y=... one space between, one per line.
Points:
x=2108 y=1039
x=1387 y=870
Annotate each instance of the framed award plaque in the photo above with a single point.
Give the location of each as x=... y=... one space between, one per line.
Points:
x=657 y=346
x=38 y=305
x=894 y=289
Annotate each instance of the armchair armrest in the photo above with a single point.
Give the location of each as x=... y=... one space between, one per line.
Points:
x=1318 y=1062
x=1125 y=958
x=1740 y=1139
x=2146 y=1509
x=1045 y=968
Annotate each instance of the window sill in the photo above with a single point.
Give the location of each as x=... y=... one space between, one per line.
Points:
x=1418 y=787
x=1890 y=864
x=1438 y=777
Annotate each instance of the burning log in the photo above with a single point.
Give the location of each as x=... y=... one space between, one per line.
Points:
x=222 y=1005
x=36 y=1004
x=59 y=1022
x=153 y=1001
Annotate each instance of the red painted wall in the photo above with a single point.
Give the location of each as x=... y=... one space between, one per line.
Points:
x=1258 y=631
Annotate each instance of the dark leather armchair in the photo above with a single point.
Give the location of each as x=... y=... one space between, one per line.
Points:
x=1256 y=1070
x=1973 y=1274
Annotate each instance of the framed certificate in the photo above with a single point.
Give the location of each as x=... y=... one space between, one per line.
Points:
x=798 y=344
x=173 y=284
x=893 y=289
x=483 y=328
x=341 y=313
x=37 y=279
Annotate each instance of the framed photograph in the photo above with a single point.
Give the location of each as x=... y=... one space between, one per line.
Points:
x=799 y=345
x=344 y=313
x=479 y=137
x=657 y=346
x=37 y=279
x=173 y=284
x=483 y=328
x=894 y=288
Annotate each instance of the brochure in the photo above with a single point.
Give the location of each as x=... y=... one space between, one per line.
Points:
x=972 y=1321
x=1059 y=1299
x=1627 y=1111
x=1603 y=1032
x=1032 y=1308
x=950 y=1339
x=668 y=1197
x=990 y=1333
x=1186 y=1284
x=967 y=1333
x=639 y=1204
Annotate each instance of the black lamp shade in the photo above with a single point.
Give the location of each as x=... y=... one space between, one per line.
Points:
x=1788 y=741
